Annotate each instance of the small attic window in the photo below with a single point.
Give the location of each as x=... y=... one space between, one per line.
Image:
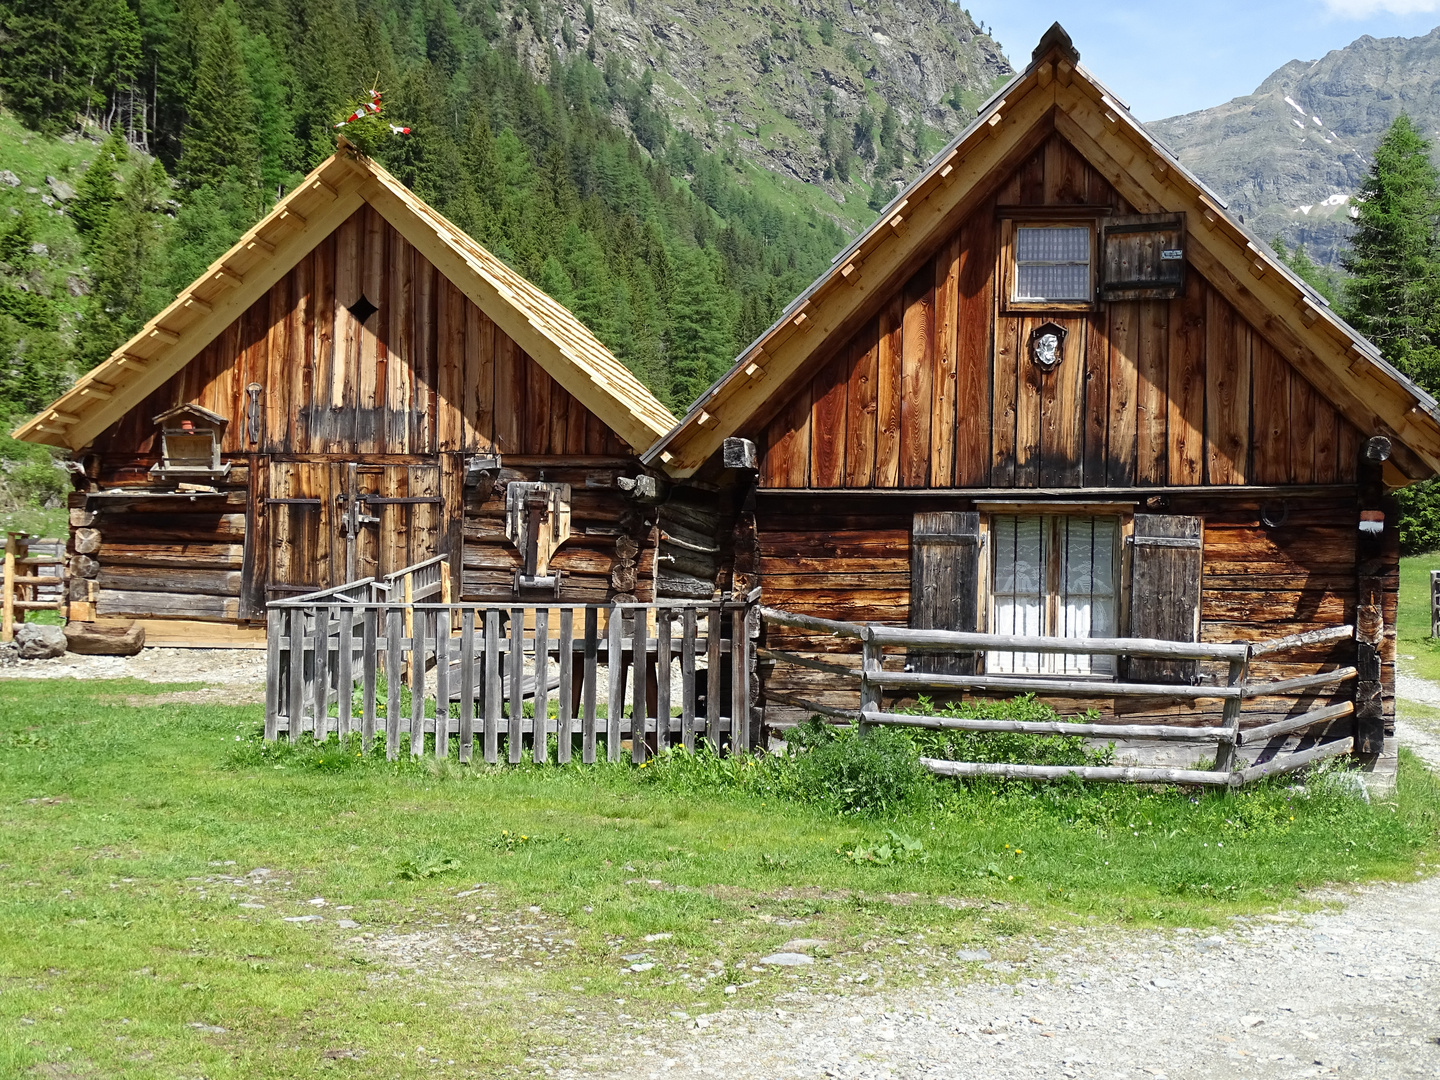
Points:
x=190 y=445
x=362 y=308
x=1052 y=264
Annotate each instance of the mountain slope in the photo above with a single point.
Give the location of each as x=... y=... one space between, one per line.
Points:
x=801 y=89
x=1290 y=156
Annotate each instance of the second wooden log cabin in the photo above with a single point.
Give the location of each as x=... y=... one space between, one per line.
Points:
x=1057 y=390
x=354 y=387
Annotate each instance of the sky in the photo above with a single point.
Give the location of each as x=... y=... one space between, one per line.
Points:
x=1175 y=57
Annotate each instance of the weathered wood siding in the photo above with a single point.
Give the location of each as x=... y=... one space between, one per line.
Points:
x=388 y=407
x=849 y=558
x=936 y=390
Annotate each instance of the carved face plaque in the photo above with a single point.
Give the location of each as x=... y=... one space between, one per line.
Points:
x=1047 y=346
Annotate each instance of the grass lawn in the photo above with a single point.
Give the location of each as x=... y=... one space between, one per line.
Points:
x=158 y=864
x=1419 y=654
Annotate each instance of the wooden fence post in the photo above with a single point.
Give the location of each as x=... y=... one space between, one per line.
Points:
x=872 y=660
x=7 y=596
x=1435 y=603
x=274 y=673
x=1225 y=750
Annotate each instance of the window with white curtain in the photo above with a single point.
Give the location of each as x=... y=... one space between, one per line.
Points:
x=1052 y=263
x=1052 y=575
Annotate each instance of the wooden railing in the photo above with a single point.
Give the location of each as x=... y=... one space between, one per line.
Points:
x=873 y=680
x=336 y=665
x=26 y=586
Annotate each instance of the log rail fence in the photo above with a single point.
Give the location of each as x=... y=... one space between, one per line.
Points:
x=874 y=679
x=34 y=580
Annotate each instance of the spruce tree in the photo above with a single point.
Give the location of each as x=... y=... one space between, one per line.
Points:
x=1394 y=264
x=42 y=61
x=98 y=189
x=220 y=134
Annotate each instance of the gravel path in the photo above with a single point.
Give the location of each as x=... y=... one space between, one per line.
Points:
x=240 y=668
x=1351 y=992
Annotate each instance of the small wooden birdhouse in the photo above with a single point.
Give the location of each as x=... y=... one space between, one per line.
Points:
x=190 y=439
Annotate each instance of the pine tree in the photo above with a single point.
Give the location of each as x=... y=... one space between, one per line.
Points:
x=270 y=81
x=98 y=189
x=42 y=61
x=127 y=263
x=1393 y=295
x=220 y=134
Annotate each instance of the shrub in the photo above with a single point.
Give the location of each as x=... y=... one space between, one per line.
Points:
x=874 y=773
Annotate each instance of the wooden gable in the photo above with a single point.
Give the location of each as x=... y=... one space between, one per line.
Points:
x=935 y=390
x=1005 y=158
x=427 y=371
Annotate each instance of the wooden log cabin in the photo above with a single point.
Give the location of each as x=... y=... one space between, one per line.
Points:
x=1058 y=390
x=354 y=387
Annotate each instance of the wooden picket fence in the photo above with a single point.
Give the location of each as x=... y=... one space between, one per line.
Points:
x=340 y=662
x=874 y=680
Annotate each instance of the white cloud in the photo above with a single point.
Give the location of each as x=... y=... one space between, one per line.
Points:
x=1360 y=9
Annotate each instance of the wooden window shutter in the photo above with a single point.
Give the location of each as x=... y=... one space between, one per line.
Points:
x=1165 y=552
x=944 y=583
x=1143 y=257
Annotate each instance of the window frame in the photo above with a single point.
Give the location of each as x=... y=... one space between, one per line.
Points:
x=1009 y=268
x=1123 y=515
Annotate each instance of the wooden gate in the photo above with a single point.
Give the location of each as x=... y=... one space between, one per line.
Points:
x=330 y=522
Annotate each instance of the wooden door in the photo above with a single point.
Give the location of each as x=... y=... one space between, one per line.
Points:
x=299 y=511
x=391 y=516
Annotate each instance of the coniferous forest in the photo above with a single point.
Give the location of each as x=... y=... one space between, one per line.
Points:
x=210 y=111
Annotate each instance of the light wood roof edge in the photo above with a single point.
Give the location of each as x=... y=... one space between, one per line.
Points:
x=1406 y=412
x=342 y=183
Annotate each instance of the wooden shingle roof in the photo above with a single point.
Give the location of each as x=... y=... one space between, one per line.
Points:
x=1339 y=362
x=541 y=326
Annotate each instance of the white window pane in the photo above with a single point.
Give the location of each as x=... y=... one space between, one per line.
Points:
x=1062 y=244
x=1029 y=556
x=1039 y=281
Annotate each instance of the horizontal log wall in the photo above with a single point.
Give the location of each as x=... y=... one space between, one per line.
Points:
x=848 y=558
x=611 y=550
x=938 y=390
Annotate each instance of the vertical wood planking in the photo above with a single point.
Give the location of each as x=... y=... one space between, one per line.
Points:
x=1152 y=377
x=1325 y=439
x=494 y=686
x=946 y=385
x=370 y=650
x=344 y=675
x=974 y=312
x=407 y=416
x=587 y=705
x=441 y=623
x=1062 y=412
x=739 y=684
x=274 y=630
x=565 y=725
x=508 y=360
x=787 y=453
x=860 y=410
x=417 y=682
x=1271 y=396
x=615 y=666
x=1304 y=411
x=538 y=384
x=297 y=672
x=713 y=682
x=539 y=737
x=917 y=377
x=320 y=686
x=450 y=375
x=515 y=735
x=687 y=679
x=1185 y=440
x=1120 y=450
x=888 y=390
x=827 y=439
x=479 y=380
x=1227 y=392
x=393 y=678
x=560 y=405
x=662 y=679
x=640 y=707
x=1097 y=397
x=467 y=684
x=1004 y=406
